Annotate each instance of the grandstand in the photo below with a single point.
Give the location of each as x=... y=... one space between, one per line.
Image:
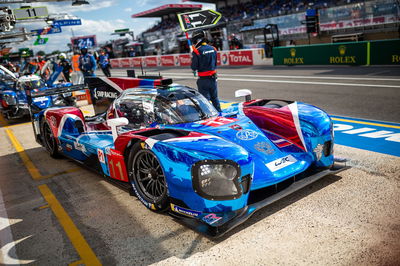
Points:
x=165 y=37
x=343 y=20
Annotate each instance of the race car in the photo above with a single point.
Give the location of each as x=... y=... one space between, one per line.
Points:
x=13 y=98
x=170 y=147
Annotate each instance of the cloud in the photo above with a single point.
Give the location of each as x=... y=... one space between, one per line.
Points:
x=128 y=9
x=68 y=8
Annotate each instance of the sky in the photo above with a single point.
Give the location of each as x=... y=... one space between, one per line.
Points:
x=100 y=18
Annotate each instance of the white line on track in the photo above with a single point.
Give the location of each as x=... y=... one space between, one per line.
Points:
x=8 y=254
x=288 y=77
x=303 y=82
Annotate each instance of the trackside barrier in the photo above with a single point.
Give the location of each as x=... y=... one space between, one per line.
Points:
x=385 y=52
x=225 y=58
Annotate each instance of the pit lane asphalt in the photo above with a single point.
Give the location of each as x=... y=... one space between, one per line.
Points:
x=371 y=92
x=350 y=218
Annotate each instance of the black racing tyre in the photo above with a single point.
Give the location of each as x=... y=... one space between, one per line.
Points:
x=49 y=141
x=147 y=178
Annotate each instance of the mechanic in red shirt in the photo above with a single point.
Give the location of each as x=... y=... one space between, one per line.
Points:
x=204 y=61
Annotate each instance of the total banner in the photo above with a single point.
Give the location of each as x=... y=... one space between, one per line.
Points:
x=245 y=57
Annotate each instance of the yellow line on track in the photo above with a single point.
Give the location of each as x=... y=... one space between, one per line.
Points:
x=78 y=241
x=365 y=123
x=33 y=171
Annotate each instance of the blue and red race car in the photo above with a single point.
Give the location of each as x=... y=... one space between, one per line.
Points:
x=176 y=153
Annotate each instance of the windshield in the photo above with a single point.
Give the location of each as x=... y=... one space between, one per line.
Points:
x=32 y=85
x=170 y=107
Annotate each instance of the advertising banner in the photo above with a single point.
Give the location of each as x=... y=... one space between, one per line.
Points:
x=240 y=58
x=185 y=60
x=137 y=61
x=125 y=62
x=151 y=61
x=167 y=60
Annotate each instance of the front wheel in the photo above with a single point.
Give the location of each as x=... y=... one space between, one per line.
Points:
x=148 y=179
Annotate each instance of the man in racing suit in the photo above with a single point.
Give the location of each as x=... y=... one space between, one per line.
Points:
x=204 y=61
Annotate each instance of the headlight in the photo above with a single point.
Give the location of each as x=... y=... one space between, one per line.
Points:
x=217 y=179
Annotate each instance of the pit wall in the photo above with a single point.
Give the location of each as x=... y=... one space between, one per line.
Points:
x=384 y=52
x=245 y=57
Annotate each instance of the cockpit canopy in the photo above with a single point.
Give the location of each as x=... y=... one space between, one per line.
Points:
x=147 y=107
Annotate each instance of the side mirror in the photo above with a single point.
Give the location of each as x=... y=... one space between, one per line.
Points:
x=243 y=93
x=117 y=122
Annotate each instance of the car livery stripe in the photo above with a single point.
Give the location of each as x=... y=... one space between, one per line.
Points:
x=62 y=122
x=150 y=142
x=190 y=138
x=295 y=113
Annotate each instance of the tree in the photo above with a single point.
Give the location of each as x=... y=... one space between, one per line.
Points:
x=40 y=53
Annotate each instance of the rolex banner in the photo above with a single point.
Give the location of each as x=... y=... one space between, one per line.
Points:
x=349 y=53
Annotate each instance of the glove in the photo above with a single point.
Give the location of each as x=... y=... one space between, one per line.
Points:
x=194 y=73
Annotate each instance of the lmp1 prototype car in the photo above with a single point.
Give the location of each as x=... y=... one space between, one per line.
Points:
x=13 y=98
x=175 y=152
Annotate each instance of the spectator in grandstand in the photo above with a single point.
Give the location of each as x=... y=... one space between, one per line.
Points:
x=204 y=61
x=104 y=63
x=87 y=63
x=66 y=65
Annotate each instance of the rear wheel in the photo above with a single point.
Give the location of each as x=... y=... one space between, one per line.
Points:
x=147 y=178
x=49 y=140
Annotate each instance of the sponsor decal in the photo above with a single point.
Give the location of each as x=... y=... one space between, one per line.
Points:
x=247 y=134
x=68 y=147
x=264 y=147
x=342 y=59
x=224 y=59
x=125 y=62
x=151 y=61
x=114 y=62
x=395 y=58
x=236 y=127
x=53 y=121
x=167 y=60
x=185 y=60
x=281 y=163
x=219 y=121
x=100 y=154
x=137 y=61
x=293 y=60
x=211 y=218
x=79 y=147
x=105 y=94
x=142 y=200
x=185 y=211
x=241 y=58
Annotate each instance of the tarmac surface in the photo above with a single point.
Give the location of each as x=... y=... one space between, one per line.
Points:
x=364 y=92
x=54 y=212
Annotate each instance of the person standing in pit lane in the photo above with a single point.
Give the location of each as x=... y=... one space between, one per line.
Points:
x=67 y=68
x=87 y=63
x=204 y=62
x=104 y=63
